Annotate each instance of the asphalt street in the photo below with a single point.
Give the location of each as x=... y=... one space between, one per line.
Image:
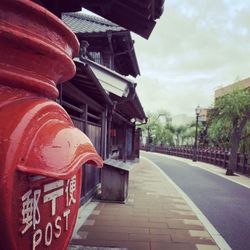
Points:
x=225 y=203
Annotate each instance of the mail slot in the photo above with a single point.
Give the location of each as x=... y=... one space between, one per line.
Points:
x=41 y=152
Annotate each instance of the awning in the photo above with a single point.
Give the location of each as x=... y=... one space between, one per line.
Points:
x=130 y=107
x=116 y=88
x=86 y=80
x=111 y=81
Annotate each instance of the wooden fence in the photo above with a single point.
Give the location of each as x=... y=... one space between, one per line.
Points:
x=218 y=157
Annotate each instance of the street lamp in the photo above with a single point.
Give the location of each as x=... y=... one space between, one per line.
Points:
x=197 y=112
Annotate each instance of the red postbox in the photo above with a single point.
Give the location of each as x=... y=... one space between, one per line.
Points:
x=41 y=152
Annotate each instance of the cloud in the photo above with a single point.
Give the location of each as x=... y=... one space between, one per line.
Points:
x=195 y=47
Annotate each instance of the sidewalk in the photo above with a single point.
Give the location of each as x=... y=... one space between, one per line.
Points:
x=155 y=217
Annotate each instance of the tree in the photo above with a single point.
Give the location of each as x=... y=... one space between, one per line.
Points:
x=179 y=132
x=188 y=135
x=155 y=129
x=229 y=119
x=245 y=142
x=163 y=135
x=219 y=133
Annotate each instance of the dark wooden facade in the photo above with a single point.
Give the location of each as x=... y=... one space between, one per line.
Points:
x=101 y=101
x=89 y=115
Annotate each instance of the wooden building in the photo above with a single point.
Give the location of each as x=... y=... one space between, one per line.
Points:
x=100 y=99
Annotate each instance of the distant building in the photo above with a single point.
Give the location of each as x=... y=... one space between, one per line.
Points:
x=234 y=86
x=242 y=84
x=182 y=119
x=203 y=117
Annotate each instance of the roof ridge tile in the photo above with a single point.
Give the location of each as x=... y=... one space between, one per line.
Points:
x=92 y=18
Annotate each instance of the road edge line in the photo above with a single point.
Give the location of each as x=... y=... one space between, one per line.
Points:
x=220 y=241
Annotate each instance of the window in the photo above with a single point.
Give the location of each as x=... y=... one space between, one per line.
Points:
x=96 y=56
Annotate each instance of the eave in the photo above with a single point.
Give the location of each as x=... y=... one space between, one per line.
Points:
x=137 y=16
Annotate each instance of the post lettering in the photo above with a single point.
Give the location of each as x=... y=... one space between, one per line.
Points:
x=53 y=195
x=37 y=238
x=30 y=210
x=31 y=214
x=70 y=189
x=48 y=234
x=66 y=215
x=58 y=227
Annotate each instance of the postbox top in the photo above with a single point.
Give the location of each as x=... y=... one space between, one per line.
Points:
x=36 y=48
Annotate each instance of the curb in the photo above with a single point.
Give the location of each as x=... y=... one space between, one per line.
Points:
x=83 y=213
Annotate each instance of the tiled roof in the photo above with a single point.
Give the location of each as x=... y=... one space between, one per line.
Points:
x=82 y=23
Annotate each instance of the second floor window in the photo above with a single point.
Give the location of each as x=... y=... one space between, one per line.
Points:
x=96 y=56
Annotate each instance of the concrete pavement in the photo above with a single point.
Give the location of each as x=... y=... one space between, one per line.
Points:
x=155 y=217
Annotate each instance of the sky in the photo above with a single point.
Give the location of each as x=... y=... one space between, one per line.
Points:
x=196 y=47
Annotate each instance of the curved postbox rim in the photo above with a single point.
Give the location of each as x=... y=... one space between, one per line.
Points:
x=89 y=156
x=86 y=157
x=57 y=149
x=45 y=141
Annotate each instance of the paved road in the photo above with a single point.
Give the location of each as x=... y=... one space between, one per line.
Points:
x=225 y=203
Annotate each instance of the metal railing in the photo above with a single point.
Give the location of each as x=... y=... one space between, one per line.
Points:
x=215 y=156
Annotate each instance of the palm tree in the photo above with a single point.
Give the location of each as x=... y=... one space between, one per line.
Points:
x=179 y=133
